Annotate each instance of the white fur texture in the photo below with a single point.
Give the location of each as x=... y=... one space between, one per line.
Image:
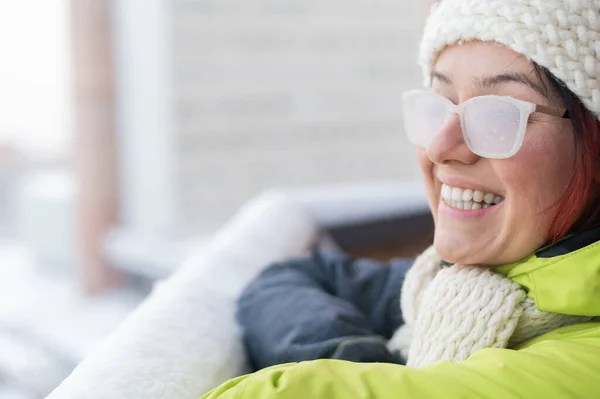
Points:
x=154 y=355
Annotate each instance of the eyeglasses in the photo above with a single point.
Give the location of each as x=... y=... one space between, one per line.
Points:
x=492 y=126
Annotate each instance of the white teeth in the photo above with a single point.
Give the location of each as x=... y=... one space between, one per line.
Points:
x=468 y=199
x=467 y=195
x=456 y=194
x=446 y=191
x=478 y=196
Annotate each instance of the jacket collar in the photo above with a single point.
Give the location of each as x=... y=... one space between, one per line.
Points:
x=563 y=278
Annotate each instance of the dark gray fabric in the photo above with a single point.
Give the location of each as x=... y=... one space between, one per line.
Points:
x=324 y=306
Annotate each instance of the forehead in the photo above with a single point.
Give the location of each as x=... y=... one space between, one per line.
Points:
x=462 y=63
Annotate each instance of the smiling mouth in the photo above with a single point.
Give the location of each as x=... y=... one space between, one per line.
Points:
x=467 y=199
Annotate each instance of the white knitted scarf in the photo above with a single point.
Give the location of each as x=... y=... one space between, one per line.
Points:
x=451 y=313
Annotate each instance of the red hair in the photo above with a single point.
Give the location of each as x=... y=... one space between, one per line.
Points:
x=579 y=207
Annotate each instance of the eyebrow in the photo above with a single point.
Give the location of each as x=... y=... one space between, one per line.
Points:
x=491 y=81
x=440 y=76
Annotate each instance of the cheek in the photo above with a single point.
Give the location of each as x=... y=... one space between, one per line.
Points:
x=431 y=187
x=424 y=162
x=540 y=172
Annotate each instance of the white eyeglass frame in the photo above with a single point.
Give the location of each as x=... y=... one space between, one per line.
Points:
x=525 y=108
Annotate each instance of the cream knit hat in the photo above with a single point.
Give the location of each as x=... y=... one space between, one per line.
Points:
x=561 y=35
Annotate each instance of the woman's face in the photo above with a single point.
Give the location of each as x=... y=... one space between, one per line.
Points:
x=527 y=184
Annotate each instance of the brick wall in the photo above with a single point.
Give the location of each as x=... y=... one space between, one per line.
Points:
x=221 y=99
x=271 y=93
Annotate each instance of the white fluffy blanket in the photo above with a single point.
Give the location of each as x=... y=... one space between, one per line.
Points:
x=154 y=355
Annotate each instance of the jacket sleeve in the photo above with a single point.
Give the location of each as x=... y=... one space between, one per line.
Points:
x=565 y=368
x=324 y=306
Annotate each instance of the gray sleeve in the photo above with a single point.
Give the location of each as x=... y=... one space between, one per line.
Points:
x=324 y=306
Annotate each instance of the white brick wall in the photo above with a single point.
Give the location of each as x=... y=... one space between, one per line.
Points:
x=255 y=94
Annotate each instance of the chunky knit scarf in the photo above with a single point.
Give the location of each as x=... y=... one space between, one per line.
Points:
x=451 y=313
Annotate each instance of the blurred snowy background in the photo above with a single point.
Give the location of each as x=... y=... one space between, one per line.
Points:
x=132 y=129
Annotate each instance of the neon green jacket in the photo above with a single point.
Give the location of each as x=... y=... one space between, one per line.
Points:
x=564 y=363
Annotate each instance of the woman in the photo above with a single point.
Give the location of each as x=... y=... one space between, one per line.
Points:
x=507 y=301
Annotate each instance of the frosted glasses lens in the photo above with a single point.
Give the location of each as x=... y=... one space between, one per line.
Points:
x=492 y=126
x=424 y=115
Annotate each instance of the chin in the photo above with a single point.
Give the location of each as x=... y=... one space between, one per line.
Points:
x=455 y=251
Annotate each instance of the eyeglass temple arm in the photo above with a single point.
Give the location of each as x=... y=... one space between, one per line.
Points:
x=558 y=112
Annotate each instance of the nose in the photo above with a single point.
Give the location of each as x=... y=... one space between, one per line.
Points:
x=449 y=146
